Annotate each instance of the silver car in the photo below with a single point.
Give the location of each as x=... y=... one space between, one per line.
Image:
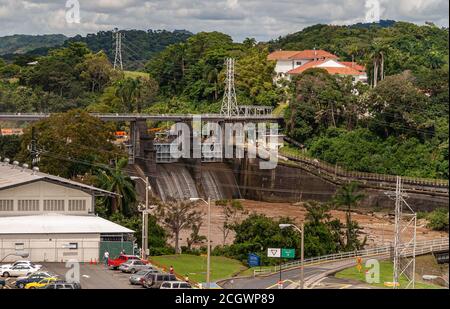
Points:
x=133 y=266
x=137 y=277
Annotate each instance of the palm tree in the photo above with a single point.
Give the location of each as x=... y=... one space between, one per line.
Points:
x=348 y=197
x=116 y=181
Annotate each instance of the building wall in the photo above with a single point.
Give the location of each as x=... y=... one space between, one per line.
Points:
x=283 y=66
x=44 y=197
x=51 y=247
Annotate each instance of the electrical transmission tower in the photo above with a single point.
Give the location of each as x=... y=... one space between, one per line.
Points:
x=404 y=246
x=117 y=39
x=229 y=103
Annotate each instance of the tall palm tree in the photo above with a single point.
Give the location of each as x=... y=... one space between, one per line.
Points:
x=116 y=181
x=348 y=197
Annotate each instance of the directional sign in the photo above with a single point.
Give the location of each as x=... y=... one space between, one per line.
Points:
x=288 y=253
x=274 y=252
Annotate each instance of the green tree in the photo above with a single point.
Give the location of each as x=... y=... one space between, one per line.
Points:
x=349 y=197
x=232 y=211
x=71 y=144
x=96 y=71
x=177 y=216
x=9 y=146
x=115 y=180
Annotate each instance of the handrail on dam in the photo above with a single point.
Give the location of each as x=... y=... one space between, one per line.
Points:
x=154 y=117
x=341 y=175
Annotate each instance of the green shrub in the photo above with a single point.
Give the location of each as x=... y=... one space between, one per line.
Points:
x=438 y=220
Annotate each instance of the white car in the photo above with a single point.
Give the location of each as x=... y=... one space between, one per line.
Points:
x=19 y=270
x=19 y=262
x=175 y=285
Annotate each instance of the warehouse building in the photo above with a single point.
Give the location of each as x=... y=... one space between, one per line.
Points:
x=53 y=219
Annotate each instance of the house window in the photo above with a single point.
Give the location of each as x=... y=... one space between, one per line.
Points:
x=53 y=205
x=28 y=205
x=6 y=205
x=298 y=63
x=77 y=205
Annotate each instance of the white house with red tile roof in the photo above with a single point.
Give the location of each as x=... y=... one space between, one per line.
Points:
x=290 y=63
x=289 y=60
x=334 y=67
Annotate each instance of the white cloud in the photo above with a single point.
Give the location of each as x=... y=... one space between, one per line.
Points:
x=262 y=19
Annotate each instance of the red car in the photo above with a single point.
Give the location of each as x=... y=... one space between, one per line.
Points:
x=115 y=263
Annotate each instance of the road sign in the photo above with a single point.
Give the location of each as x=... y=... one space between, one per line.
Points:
x=253 y=260
x=288 y=253
x=274 y=252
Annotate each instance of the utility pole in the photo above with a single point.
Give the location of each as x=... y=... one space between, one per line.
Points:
x=33 y=148
x=229 y=103
x=117 y=38
x=405 y=217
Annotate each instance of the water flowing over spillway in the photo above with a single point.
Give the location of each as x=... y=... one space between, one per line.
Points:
x=175 y=181
x=219 y=182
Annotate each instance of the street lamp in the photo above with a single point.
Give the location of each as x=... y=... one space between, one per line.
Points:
x=22 y=255
x=301 y=230
x=208 y=250
x=144 y=216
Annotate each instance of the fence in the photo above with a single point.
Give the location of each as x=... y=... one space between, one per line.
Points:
x=340 y=175
x=422 y=247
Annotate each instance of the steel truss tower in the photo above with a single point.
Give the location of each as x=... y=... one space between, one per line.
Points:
x=404 y=246
x=229 y=103
x=117 y=39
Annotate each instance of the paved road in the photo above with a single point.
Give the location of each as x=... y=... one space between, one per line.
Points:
x=290 y=278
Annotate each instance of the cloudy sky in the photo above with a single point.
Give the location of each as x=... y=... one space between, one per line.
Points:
x=261 y=19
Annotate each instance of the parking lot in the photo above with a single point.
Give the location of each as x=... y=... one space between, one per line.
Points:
x=91 y=276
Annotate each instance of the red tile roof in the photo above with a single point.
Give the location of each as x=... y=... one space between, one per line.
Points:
x=331 y=70
x=354 y=65
x=303 y=54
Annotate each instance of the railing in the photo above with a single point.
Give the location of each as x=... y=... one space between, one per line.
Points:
x=339 y=174
x=422 y=247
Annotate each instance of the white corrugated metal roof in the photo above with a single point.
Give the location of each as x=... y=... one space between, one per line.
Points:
x=11 y=175
x=59 y=224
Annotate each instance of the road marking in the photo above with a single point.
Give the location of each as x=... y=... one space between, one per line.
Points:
x=317 y=282
x=345 y=286
x=276 y=284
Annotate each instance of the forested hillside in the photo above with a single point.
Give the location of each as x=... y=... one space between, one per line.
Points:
x=138 y=45
x=398 y=126
x=21 y=44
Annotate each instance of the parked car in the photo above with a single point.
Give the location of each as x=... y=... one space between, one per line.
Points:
x=115 y=263
x=175 y=285
x=40 y=284
x=19 y=270
x=154 y=281
x=19 y=262
x=63 y=286
x=136 y=278
x=21 y=282
x=132 y=266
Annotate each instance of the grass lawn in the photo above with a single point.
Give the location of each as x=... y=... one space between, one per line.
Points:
x=135 y=74
x=279 y=110
x=386 y=270
x=195 y=266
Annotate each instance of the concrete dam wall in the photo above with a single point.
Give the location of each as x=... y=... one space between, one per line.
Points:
x=244 y=179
